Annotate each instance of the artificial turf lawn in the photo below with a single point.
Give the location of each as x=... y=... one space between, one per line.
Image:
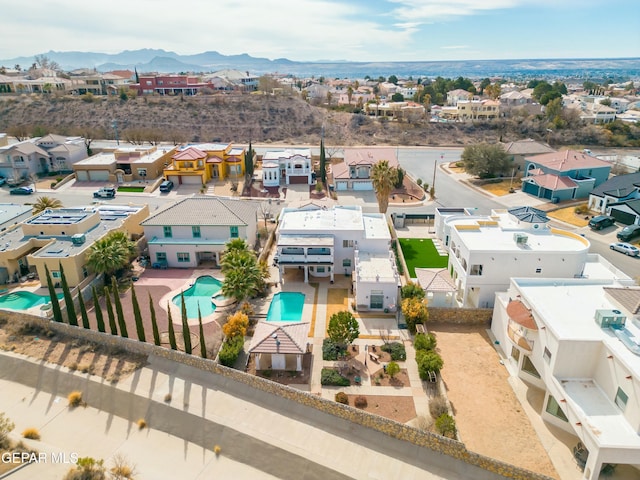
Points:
x=131 y=189
x=421 y=253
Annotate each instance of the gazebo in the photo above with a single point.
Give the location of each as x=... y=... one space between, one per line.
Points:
x=279 y=345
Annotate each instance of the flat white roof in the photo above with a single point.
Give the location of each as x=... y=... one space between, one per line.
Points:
x=375 y=226
x=288 y=153
x=103 y=158
x=322 y=221
x=375 y=267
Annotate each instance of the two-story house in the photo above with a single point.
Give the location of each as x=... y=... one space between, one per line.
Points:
x=291 y=165
x=616 y=191
x=458 y=95
x=63 y=151
x=168 y=85
x=478 y=109
x=195 y=230
x=577 y=342
x=323 y=242
x=198 y=163
x=21 y=160
x=520 y=149
x=563 y=175
x=355 y=172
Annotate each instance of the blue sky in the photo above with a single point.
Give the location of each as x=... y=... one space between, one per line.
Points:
x=354 y=30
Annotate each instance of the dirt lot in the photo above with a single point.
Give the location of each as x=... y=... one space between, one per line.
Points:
x=400 y=409
x=488 y=415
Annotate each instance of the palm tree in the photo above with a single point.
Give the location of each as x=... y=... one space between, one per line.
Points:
x=42 y=203
x=383 y=178
x=108 y=255
x=244 y=276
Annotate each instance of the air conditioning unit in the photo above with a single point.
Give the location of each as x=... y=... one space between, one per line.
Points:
x=78 y=238
x=610 y=318
x=520 y=238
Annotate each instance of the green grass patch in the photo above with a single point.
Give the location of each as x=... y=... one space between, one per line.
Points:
x=421 y=253
x=131 y=189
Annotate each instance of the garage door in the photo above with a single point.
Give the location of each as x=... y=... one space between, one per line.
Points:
x=81 y=176
x=99 y=175
x=362 y=186
x=175 y=179
x=293 y=179
x=341 y=185
x=625 y=218
x=192 y=180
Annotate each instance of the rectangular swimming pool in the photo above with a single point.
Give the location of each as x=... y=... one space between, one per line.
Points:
x=286 y=307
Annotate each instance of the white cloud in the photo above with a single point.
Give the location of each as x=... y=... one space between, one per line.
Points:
x=454 y=47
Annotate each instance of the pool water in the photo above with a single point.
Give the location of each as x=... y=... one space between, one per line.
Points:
x=22 y=300
x=200 y=294
x=286 y=307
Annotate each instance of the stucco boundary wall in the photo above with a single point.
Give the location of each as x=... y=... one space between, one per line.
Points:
x=398 y=431
x=461 y=316
x=65 y=180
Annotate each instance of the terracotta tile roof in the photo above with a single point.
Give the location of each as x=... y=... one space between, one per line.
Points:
x=553 y=182
x=435 y=280
x=627 y=297
x=275 y=337
x=370 y=156
x=568 y=160
x=520 y=314
x=190 y=153
x=214 y=159
x=527 y=147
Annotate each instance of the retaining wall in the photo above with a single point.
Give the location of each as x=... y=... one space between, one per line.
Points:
x=462 y=316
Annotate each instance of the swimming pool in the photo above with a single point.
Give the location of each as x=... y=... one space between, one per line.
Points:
x=286 y=307
x=22 y=300
x=200 y=294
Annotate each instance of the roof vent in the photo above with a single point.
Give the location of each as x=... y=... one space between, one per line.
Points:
x=520 y=238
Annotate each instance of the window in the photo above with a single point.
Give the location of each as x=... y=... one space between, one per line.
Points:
x=85 y=272
x=528 y=367
x=55 y=274
x=554 y=409
x=346 y=262
x=233 y=232
x=538 y=270
x=142 y=172
x=546 y=355
x=195 y=231
x=161 y=257
x=476 y=270
x=376 y=299
x=515 y=354
x=347 y=244
x=183 y=257
x=319 y=269
x=167 y=232
x=621 y=399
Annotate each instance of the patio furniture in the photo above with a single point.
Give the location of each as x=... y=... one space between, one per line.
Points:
x=357 y=380
x=374 y=358
x=433 y=377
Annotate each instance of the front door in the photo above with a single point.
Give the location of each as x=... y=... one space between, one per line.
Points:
x=277 y=361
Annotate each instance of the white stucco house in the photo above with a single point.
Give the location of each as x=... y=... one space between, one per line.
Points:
x=485 y=252
x=196 y=230
x=578 y=340
x=288 y=166
x=341 y=240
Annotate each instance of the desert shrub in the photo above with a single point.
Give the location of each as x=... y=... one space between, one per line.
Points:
x=428 y=361
x=217 y=449
x=87 y=468
x=342 y=397
x=393 y=369
x=424 y=342
x=236 y=325
x=230 y=350
x=31 y=433
x=582 y=209
x=167 y=398
x=6 y=426
x=396 y=350
x=329 y=376
x=424 y=423
x=142 y=423
x=446 y=425
x=360 y=401
x=332 y=351
x=75 y=398
x=438 y=406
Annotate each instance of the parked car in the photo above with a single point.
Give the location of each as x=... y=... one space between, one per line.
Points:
x=601 y=221
x=105 y=192
x=2 y=181
x=628 y=233
x=625 y=248
x=166 y=186
x=21 y=191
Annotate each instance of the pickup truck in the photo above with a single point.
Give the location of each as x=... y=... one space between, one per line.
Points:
x=105 y=192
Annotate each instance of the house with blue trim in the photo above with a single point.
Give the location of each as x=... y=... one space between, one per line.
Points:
x=563 y=175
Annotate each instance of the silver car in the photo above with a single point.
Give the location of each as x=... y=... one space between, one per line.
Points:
x=625 y=248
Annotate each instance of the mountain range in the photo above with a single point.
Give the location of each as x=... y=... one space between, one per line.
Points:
x=162 y=61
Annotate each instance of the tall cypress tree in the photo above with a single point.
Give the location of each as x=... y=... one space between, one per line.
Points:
x=83 y=311
x=323 y=161
x=68 y=299
x=186 y=333
x=112 y=319
x=248 y=162
x=137 y=315
x=116 y=300
x=172 y=332
x=98 y=310
x=203 y=344
x=55 y=305
x=154 y=323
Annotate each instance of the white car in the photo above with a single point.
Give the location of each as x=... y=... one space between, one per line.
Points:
x=625 y=248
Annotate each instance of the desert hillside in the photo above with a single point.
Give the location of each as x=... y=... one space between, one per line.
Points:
x=261 y=118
